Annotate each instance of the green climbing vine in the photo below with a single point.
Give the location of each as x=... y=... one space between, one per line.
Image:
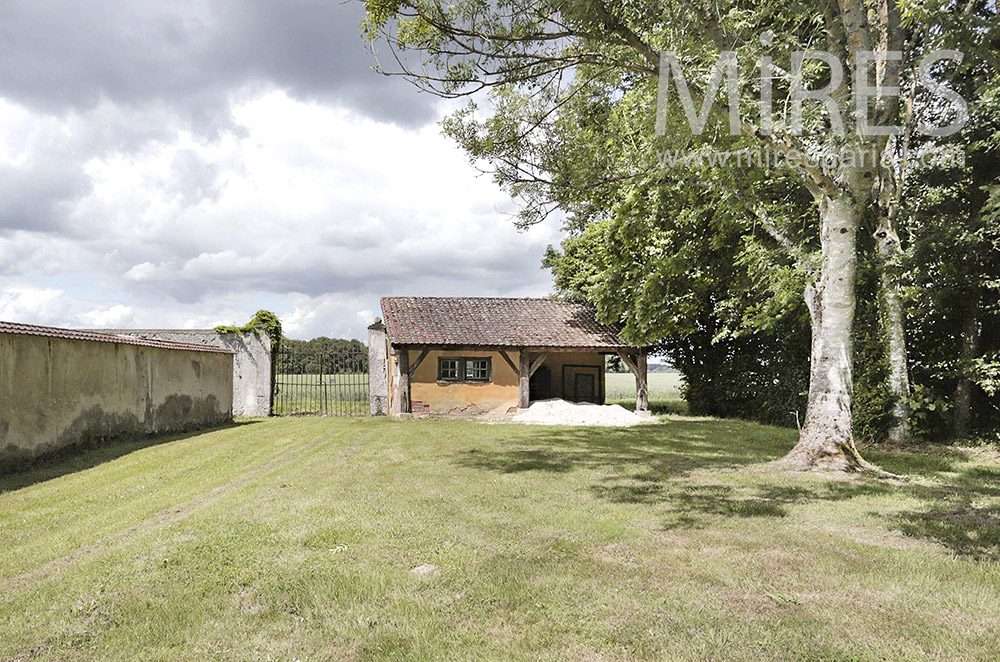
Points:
x=264 y=320
x=268 y=322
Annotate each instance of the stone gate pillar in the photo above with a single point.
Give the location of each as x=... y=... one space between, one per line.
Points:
x=378 y=370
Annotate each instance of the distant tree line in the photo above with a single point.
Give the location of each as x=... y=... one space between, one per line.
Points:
x=322 y=356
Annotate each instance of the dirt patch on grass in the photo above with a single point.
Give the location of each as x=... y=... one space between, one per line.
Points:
x=616 y=553
x=879 y=537
x=248 y=602
x=426 y=571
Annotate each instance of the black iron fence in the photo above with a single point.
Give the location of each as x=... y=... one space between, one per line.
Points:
x=309 y=383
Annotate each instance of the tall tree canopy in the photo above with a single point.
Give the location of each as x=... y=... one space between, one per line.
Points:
x=569 y=122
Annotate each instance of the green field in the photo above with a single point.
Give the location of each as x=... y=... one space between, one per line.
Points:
x=664 y=391
x=343 y=393
x=660 y=385
x=294 y=538
x=348 y=393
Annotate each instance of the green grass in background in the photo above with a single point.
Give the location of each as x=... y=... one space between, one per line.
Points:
x=343 y=393
x=347 y=393
x=663 y=391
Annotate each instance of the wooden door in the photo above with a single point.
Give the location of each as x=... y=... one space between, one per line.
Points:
x=582 y=383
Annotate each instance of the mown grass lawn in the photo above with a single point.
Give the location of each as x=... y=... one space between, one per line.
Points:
x=295 y=538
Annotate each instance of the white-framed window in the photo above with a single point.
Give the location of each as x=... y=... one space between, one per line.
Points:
x=464 y=369
x=477 y=370
x=449 y=370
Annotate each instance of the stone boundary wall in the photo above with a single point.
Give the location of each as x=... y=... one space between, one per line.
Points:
x=57 y=392
x=252 y=376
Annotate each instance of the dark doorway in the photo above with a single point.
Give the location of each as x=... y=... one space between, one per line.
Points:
x=540 y=384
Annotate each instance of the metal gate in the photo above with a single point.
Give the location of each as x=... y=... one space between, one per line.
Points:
x=310 y=383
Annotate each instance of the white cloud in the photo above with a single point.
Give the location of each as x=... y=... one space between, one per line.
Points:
x=117 y=316
x=186 y=164
x=140 y=272
x=309 y=210
x=327 y=315
x=37 y=305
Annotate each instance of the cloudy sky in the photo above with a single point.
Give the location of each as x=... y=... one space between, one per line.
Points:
x=186 y=163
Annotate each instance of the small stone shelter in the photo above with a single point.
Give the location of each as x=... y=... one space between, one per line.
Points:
x=476 y=355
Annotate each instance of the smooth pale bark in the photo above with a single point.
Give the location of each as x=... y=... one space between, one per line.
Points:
x=641 y=379
x=827 y=438
x=894 y=330
x=639 y=368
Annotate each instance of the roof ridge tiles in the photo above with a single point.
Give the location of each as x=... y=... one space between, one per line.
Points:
x=496 y=321
x=97 y=336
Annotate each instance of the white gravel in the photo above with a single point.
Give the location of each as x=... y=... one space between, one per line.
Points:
x=561 y=412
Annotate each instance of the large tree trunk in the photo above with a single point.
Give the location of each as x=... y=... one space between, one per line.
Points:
x=827 y=439
x=894 y=329
x=963 y=389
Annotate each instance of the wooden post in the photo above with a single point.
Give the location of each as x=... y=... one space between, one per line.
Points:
x=420 y=359
x=641 y=390
x=403 y=387
x=524 y=380
x=536 y=364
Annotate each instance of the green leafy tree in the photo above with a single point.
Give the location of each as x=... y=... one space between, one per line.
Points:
x=725 y=303
x=951 y=271
x=548 y=65
x=323 y=355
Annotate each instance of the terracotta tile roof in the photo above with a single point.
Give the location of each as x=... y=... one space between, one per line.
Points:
x=495 y=322
x=94 y=336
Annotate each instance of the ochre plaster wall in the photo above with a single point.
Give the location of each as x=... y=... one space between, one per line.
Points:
x=437 y=397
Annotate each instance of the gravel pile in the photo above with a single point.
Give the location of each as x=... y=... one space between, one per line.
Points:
x=561 y=412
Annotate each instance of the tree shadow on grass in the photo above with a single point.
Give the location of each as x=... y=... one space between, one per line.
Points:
x=645 y=465
x=660 y=451
x=688 y=499
x=638 y=465
x=918 y=459
x=72 y=459
x=965 y=530
x=957 y=514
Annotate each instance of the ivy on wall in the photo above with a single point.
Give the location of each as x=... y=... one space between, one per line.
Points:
x=268 y=322
x=263 y=320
